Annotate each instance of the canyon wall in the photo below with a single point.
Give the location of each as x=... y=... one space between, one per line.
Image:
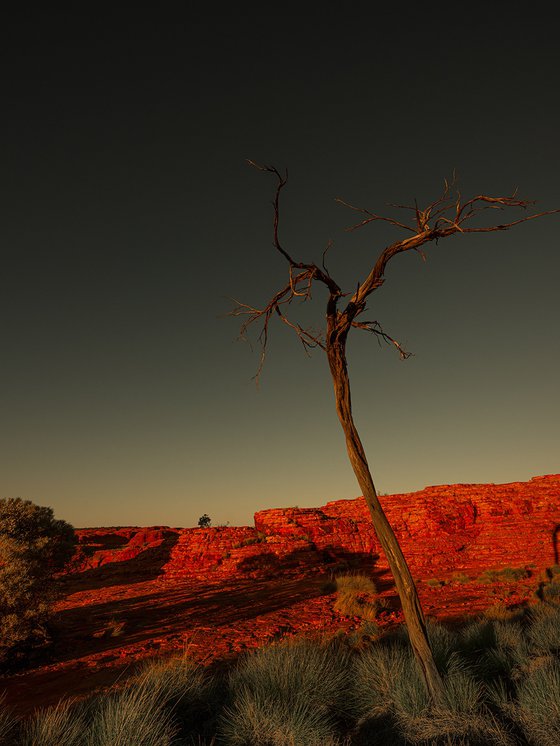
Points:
x=442 y=529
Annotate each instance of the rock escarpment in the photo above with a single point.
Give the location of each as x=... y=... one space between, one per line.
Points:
x=441 y=529
x=461 y=527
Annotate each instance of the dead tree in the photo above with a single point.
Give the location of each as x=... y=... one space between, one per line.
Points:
x=446 y=216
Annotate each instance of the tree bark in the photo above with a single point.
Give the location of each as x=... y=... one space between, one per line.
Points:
x=413 y=614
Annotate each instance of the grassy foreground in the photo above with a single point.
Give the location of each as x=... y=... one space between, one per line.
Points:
x=501 y=673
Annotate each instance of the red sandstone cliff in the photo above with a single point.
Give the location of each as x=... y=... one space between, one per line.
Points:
x=441 y=529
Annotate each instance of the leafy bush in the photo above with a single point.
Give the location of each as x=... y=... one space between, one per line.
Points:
x=34 y=546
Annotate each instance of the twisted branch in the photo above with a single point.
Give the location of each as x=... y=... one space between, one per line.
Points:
x=441 y=218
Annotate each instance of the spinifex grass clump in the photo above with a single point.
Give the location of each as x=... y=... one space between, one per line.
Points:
x=185 y=689
x=286 y=694
x=544 y=629
x=504 y=575
x=166 y=700
x=538 y=704
x=133 y=715
x=501 y=677
x=61 y=725
x=356 y=596
x=392 y=706
x=7 y=721
x=551 y=591
x=500 y=611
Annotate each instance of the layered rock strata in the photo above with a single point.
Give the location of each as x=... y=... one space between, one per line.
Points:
x=442 y=529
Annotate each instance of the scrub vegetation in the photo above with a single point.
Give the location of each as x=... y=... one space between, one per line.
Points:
x=356 y=596
x=501 y=673
x=34 y=547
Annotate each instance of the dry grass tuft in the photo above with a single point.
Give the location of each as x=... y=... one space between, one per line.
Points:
x=356 y=596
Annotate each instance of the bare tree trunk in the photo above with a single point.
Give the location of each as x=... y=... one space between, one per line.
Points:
x=448 y=215
x=406 y=589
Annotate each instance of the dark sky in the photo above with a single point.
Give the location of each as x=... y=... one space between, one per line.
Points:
x=130 y=217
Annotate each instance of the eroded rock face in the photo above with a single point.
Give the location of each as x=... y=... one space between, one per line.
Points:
x=441 y=529
x=102 y=546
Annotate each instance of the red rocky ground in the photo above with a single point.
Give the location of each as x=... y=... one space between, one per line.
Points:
x=139 y=592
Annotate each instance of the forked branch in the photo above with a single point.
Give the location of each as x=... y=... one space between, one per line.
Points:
x=443 y=217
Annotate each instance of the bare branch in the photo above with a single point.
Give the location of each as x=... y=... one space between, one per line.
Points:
x=441 y=218
x=374 y=327
x=308 y=337
x=299 y=286
x=324 y=258
x=372 y=217
x=505 y=226
x=450 y=214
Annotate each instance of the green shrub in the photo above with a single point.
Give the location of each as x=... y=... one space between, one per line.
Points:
x=287 y=693
x=33 y=548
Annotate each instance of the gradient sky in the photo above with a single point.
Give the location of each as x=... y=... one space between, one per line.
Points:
x=130 y=217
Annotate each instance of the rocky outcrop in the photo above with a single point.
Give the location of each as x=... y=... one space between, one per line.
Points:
x=460 y=527
x=102 y=546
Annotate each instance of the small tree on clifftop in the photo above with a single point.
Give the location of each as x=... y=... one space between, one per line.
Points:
x=446 y=216
x=34 y=546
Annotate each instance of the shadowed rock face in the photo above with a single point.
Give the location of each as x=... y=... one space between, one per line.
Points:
x=441 y=529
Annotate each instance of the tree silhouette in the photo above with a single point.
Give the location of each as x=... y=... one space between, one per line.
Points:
x=448 y=215
x=204 y=521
